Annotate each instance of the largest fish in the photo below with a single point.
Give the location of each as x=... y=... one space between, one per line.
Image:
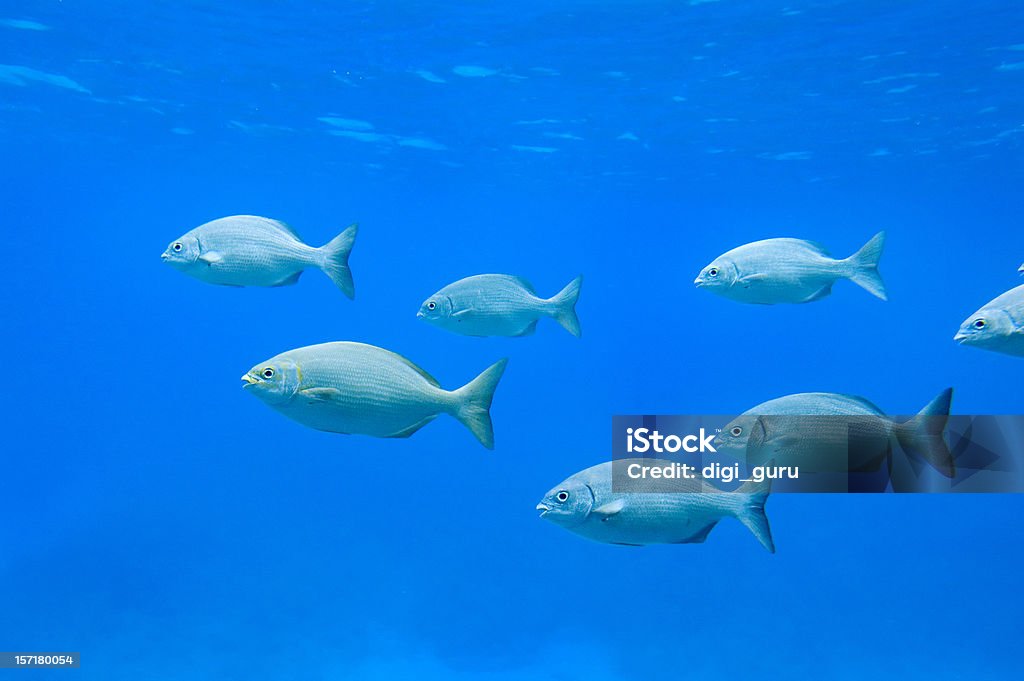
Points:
x=637 y=512
x=346 y=387
x=998 y=326
x=790 y=271
x=248 y=250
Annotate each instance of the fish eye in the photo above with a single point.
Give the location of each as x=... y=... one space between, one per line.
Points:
x=268 y=373
x=713 y=272
x=737 y=431
x=980 y=324
x=176 y=247
x=431 y=305
x=562 y=496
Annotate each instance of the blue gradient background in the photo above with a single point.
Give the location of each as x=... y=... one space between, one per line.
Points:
x=168 y=526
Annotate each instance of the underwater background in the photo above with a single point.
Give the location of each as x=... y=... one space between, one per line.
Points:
x=167 y=526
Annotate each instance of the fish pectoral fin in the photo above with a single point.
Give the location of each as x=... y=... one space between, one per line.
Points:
x=462 y=313
x=320 y=395
x=750 y=279
x=412 y=429
x=609 y=510
x=212 y=257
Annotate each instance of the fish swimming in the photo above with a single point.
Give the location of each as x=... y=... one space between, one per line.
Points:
x=346 y=387
x=998 y=326
x=651 y=511
x=499 y=305
x=831 y=433
x=248 y=250
x=790 y=271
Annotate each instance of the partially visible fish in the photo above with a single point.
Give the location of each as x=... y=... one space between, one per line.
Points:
x=1021 y=269
x=346 y=387
x=790 y=271
x=998 y=326
x=651 y=511
x=499 y=305
x=248 y=250
x=831 y=433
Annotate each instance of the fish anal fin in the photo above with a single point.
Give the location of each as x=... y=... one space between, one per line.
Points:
x=699 y=536
x=412 y=429
x=823 y=292
x=289 y=280
x=529 y=330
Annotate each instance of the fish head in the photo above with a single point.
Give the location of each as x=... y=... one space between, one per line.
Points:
x=736 y=435
x=985 y=327
x=275 y=381
x=436 y=308
x=567 y=504
x=720 y=274
x=182 y=252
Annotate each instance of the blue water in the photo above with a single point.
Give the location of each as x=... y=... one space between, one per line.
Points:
x=168 y=526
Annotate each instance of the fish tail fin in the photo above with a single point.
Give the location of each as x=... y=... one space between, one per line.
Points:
x=473 y=403
x=751 y=511
x=563 y=306
x=922 y=436
x=864 y=267
x=334 y=261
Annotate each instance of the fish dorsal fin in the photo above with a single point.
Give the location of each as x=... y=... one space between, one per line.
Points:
x=524 y=282
x=814 y=246
x=430 y=379
x=284 y=226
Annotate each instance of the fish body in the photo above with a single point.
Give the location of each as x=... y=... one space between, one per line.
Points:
x=650 y=511
x=831 y=433
x=787 y=270
x=248 y=250
x=499 y=305
x=998 y=326
x=346 y=387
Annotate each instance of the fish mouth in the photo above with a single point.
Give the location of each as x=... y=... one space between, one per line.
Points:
x=960 y=337
x=543 y=508
x=420 y=315
x=698 y=282
x=248 y=380
x=165 y=256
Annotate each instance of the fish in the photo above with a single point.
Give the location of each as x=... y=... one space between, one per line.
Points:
x=1020 y=270
x=355 y=388
x=785 y=270
x=998 y=326
x=499 y=305
x=832 y=432
x=248 y=250
x=651 y=511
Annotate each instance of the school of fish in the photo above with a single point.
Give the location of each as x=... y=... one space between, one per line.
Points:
x=355 y=388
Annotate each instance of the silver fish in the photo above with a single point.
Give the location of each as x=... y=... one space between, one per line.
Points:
x=499 y=305
x=346 y=387
x=248 y=250
x=998 y=326
x=651 y=511
x=790 y=271
x=830 y=432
